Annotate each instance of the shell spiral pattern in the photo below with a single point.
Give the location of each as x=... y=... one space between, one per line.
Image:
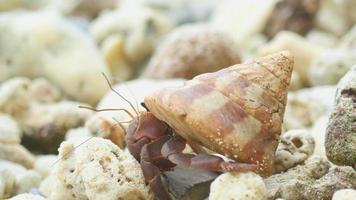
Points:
x=237 y=111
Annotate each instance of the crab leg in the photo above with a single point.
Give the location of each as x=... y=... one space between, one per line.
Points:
x=173 y=148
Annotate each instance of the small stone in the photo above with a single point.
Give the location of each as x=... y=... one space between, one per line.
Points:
x=191 y=50
x=16 y=153
x=26 y=181
x=295 y=147
x=340 y=142
x=27 y=196
x=238 y=186
x=344 y=194
x=7 y=183
x=288 y=185
x=44 y=164
x=337 y=178
x=331 y=66
x=297 y=16
x=10 y=132
x=306 y=106
x=97 y=169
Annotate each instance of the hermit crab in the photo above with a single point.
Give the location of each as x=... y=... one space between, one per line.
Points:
x=236 y=112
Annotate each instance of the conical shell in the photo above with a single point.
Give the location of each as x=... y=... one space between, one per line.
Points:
x=237 y=111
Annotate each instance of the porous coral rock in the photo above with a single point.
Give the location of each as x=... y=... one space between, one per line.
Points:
x=295 y=147
x=340 y=142
x=238 y=186
x=288 y=185
x=98 y=169
x=42 y=118
x=337 y=178
x=191 y=50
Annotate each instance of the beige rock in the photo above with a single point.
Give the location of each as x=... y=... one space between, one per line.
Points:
x=10 y=132
x=98 y=169
x=131 y=33
x=322 y=38
x=290 y=184
x=7 y=183
x=16 y=153
x=44 y=164
x=84 y=8
x=304 y=52
x=49 y=46
x=305 y=107
x=332 y=17
x=331 y=66
x=52 y=188
x=295 y=147
x=25 y=179
x=344 y=194
x=191 y=50
x=318 y=131
x=238 y=186
x=349 y=39
x=242 y=19
x=27 y=196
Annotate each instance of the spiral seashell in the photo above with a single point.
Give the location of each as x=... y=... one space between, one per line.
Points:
x=237 y=111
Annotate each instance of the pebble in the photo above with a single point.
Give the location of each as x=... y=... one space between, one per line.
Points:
x=296 y=16
x=127 y=36
x=288 y=185
x=59 y=51
x=344 y=194
x=295 y=147
x=238 y=186
x=17 y=153
x=306 y=106
x=27 y=196
x=10 y=132
x=340 y=142
x=191 y=50
x=19 y=179
x=44 y=164
x=331 y=66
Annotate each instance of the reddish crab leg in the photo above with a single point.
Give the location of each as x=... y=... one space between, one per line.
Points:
x=173 y=148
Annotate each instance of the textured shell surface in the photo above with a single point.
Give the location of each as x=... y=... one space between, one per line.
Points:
x=237 y=111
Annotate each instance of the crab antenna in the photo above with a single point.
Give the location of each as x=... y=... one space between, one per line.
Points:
x=60 y=158
x=108 y=109
x=133 y=95
x=116 y=92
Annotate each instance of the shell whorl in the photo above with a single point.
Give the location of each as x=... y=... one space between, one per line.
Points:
x=237 y=111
